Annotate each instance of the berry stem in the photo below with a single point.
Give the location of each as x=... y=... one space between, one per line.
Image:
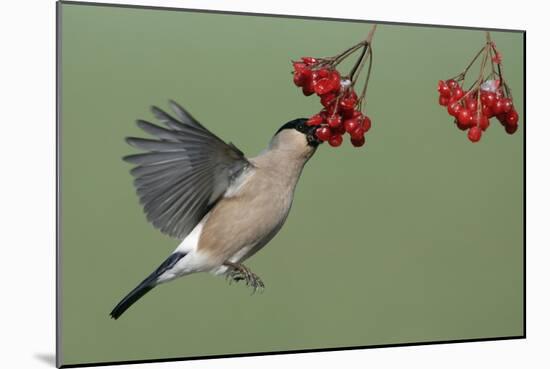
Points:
x=493 y=55
x=485 y=50
x=336 y=105
x=369 y=56
x=340 y=57
x=461 y=76
x=500 y=72
x=358 y=62
x=366 y=44
x=364 y=91
x=486 y=54
x=483 y=64
x=371 y=34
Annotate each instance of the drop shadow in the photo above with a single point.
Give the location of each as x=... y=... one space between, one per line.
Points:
x=46 y=358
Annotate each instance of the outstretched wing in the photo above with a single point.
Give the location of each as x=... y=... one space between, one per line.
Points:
x=185 y=170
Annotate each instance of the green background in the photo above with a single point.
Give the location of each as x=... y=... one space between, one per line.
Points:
x=415 y=237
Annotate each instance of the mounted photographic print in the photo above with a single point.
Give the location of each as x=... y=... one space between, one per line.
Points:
x=240 y=184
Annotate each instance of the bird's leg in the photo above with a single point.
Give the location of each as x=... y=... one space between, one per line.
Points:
x=239 y=272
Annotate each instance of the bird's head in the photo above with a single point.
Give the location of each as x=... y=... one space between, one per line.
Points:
x=296 y=137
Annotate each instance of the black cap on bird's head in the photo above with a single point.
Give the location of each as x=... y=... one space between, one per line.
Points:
x=301 y=126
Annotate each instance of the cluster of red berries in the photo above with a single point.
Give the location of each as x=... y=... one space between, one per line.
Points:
x=473 y=109
x=340 y=113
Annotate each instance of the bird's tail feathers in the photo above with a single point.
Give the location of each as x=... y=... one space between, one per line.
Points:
x=145 y=286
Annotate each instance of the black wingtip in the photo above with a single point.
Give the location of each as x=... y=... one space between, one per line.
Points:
x=131 y=141
x=157 y=111
x=145 y=125
x=127 y=158
x=139 y=122
x=175 y=106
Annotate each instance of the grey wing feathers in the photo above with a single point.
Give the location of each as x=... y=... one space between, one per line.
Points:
x=185 y=170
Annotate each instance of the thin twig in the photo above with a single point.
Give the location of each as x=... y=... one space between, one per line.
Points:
x=358 y=62
x=463 y=74
x=500 y=74
x=364 y=92
x=369 y=56
x=340 y=57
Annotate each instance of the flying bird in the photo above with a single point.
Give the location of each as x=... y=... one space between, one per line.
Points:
x=221 y=205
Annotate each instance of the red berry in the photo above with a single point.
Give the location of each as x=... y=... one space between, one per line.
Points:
x=328 y=99
x=443 y=101
x=332 y=109
x=512 y=118
x=488 y=98
x=511 y=129
x=454 y=108
x=320 y=73
x=507 y=105
x=487 y=111
x=335 y=140
x=315 y=120
x=335 y=79
x=474 y=134
x=357 y=133
x=323 y=86
x=464 y=117
x=298 y=66
x=347 y=113
x=352 y=124
x=498 y=107
x=443 y=89
x=502 y=118
x=471 y=104
x=340 y=130
x=366 y=124
x=298 y=79
x=347 y=103
x=452 y=84
x=457 y=93
x=358 y=142
x=357 y=114
x=482 y=121
x=334 y=121
x=323 y=133
x=308 y=88
x=483 y=95
x=308 y=60
x=302 y=74
x=460 y=126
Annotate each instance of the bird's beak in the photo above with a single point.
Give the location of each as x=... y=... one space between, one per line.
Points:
x=312 y=139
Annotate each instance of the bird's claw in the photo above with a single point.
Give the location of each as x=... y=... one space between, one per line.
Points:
x=238 y=272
